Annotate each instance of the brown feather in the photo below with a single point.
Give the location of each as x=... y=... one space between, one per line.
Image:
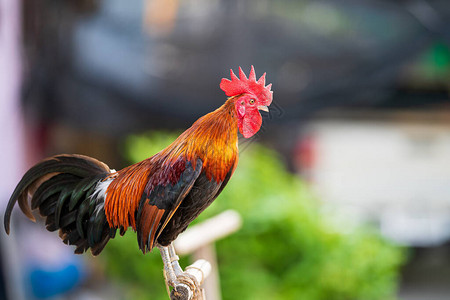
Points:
x=25 y=207
x=25 y=197
x=149 y=223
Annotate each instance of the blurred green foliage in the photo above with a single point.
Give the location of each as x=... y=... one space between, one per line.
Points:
x=286 y=249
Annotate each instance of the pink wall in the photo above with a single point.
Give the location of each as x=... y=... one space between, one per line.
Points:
x=11 y=122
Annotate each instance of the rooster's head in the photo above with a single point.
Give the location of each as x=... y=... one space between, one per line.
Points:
x=250 y=96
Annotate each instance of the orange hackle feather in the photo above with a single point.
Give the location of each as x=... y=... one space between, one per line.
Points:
x=124 y=193
x=212 y=138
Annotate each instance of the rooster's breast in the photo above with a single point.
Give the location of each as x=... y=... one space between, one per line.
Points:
x=202 y=194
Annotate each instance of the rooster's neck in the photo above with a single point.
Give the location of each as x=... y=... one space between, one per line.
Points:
x=213 y=139
x=219 y=124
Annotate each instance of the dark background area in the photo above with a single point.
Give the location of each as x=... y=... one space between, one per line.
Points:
x=98 y=67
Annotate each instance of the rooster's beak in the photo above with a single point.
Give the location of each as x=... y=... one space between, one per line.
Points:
x=264 y=108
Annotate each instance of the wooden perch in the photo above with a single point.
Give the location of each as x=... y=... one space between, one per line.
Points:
x=198 y=238
x=208 y=232
x=198 y=271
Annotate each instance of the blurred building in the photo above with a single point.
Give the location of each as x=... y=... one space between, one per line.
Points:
x=390 y=168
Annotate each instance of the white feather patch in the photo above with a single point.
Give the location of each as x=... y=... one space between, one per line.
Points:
x=100 y=190
x=99 y=194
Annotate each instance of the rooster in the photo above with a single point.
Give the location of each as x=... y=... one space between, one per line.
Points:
x=158 y=197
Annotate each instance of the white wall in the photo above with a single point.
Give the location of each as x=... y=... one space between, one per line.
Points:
x=397 y=173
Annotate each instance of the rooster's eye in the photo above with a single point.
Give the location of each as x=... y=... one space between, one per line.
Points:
x=252 y=101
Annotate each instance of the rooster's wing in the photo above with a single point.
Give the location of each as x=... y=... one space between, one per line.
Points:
x=160 y=201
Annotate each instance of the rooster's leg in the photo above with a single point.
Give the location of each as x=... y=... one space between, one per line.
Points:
x=168 y=269
x=174 y=260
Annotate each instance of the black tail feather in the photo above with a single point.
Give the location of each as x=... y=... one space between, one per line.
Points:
x=62 y=188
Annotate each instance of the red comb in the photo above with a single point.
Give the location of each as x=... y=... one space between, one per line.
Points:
x=237 y=86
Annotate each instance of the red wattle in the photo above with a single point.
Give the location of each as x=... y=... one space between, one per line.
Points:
x=250 y=124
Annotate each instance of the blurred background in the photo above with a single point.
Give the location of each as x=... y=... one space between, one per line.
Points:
x=354 y=154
